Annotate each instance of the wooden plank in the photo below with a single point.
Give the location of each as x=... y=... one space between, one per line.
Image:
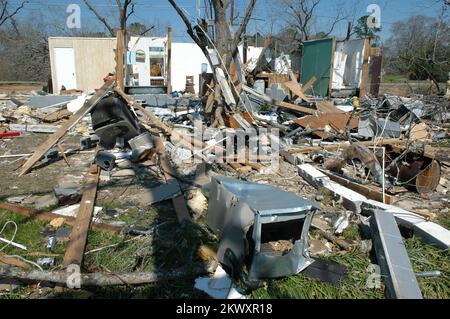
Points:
x=296 y=89
x=367 y=191
x=36 y=128
x=330 y=82
x=12 y=261
x=48 y=216
x=179 y=203
x=294 y=107
x=78 y=237
x=365 y=68
x=169 y=60
x=309 y=84
x=327 y=107
x=74 y=119
x=120 y=57
x=63 y=154
x=337 y=121
x=57 y=115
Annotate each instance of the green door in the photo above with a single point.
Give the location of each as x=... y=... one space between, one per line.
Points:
x=317 y=61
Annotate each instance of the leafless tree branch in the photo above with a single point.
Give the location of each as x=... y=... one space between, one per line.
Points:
x=190 y=30
x=4 y=16
x=100 y=18
x=243 y=26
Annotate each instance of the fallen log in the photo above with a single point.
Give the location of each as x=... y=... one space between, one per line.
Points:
x=99 y=279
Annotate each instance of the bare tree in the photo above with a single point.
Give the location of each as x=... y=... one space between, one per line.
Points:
x=100 y=18
x=419 y=48
x=301 y=16
x=225 y=42
x=5 y=15
x=125 y=11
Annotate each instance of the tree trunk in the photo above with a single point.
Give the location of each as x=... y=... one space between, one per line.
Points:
x=98 y=279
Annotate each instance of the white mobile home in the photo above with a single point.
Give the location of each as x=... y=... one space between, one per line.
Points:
x=81 y=63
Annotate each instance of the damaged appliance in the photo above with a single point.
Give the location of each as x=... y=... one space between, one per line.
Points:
x=111 y=119
x=263 y=230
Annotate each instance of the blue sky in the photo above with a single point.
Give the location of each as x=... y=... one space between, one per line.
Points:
x=268 y=13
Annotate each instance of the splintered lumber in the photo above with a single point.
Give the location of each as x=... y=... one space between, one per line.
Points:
x=179 y=203
x=365 y=69
x=309 y=84
x=100 y=279
x=48 y=216
x=296 y=89
x=57 y=115
x=284 y=105
x=78 y=237
x=74 y=119
x=294 y=107
x=375 y=194
x=397 y=271
x=337 y=121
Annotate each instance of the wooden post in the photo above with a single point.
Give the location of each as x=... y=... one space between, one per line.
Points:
x=245 y=50
x=78 y=237
x=376 y=75
x=120 y=57
x=169 y=60
x=330 y=83
x=365 y=68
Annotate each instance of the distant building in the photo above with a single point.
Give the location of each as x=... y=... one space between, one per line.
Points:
x=82 y=63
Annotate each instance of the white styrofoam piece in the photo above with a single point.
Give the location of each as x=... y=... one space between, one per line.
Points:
x=218 y=286
x=71 y=211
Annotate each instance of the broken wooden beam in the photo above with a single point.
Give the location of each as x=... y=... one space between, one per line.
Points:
x=13 y=261
x=375 y=194
x=309 y=84
x=296 y=89
x=71 y=122
x=78 y=237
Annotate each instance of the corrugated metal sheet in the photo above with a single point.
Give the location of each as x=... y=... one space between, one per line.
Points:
x=317 y=61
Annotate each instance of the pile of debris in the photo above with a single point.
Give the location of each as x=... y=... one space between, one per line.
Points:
x=363 y=155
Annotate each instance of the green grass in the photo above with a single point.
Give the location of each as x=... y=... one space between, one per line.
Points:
x=426 y=258
x=173 y=245
x=29 y=233
x=302 y=287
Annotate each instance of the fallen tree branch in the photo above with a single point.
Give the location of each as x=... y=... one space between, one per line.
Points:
x=100 y=279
